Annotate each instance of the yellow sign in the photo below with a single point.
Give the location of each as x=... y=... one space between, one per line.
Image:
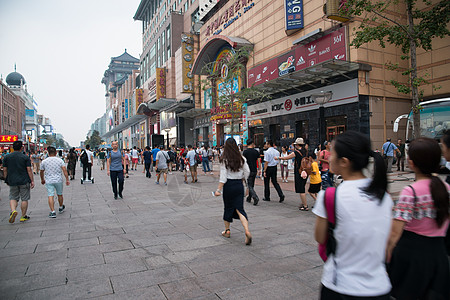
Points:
x=139 y=97
x=187 y=46
x=160 y=83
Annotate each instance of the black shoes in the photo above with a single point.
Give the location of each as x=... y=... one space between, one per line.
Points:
x=120 y=196
x=115 y=197
x=249 y=200
x=255 y=202
x=281 y=198
x=264 y=199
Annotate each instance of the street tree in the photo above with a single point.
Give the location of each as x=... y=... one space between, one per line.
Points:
x=225 y=83
x=94 y=140
x=425 y=21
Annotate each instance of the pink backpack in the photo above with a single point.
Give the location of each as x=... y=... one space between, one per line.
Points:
x=329 y=247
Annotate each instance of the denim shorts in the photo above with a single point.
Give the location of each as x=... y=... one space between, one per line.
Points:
x=51 y=187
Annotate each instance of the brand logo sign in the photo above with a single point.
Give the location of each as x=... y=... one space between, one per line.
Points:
x=187 y=46
x=160 y=83
x=287 y=66
x=8 y=138
x=293 y=14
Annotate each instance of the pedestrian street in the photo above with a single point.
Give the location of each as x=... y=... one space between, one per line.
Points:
x=159 y=242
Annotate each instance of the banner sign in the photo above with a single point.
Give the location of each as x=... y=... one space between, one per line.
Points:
x=293 y=14
x=187 y=46
x=126 y=109
x=214 y=130
x=342 y=93
x=160 y=83
x=139 y=98
x=8 y=138
x=330 y=46
x=244 y=124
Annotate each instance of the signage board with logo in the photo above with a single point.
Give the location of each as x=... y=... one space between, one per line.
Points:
x=160 y=83
x=126 y=109
x=342 y=93
x=139 y=97
x=187 y=46
x=293 y=15
x=330 y=46
x=244 y=124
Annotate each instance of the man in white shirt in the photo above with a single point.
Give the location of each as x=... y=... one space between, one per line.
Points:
x=270 y=171
x=192 y=163
x=134 y=158
x=87 y=165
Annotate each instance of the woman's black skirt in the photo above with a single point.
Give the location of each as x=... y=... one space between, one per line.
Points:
x=233 y=199
x=299 y=183
x=419 y=268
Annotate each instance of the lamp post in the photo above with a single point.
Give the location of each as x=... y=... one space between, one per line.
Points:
x=322 y=98
x=167 y=130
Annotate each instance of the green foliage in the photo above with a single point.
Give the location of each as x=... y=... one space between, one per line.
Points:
x=94 y=140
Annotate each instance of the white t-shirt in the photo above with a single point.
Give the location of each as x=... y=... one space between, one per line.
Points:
x=134 y=153
x=52 y=169
x=362 y=231
x=90 y=156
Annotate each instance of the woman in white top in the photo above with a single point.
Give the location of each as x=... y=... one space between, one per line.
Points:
x=234 y=172
x=284 y=165
x=363 y=220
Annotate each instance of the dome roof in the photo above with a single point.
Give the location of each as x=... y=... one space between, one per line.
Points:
x=15 y=78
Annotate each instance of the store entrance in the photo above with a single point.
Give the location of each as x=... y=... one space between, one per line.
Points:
x=334 y=131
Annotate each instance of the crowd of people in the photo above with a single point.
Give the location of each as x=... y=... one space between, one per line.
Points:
x=375 y=248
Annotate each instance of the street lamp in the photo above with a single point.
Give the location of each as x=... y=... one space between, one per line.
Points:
x=167 y=130
x=322 y=98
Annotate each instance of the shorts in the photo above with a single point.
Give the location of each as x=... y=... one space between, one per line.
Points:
x=51 y=187
x=154 y=163
x=162 y=171
x=135 y=160
x=19 y=192
x=193 y=168
x=314 y=188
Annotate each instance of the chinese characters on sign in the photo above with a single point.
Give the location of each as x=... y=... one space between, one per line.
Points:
x=187 y=46
x=294 y=14
x=139 y=97
x=8 y=138
x=160 y=83
x=228 y=17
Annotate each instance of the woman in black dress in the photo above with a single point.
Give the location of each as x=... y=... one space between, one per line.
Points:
x=234 y=172
x=299 y=153
x=72 y=162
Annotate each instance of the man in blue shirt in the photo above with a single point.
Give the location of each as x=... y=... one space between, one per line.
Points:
x=154 y=152
x=192 y=163
x=147 y=158
x=388 y=153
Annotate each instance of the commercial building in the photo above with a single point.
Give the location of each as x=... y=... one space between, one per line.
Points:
x=319 y=85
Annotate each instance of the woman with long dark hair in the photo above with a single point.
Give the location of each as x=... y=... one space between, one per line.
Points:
x=356 y=268
x=416 y=251
x=234 y=172
x=72 y=163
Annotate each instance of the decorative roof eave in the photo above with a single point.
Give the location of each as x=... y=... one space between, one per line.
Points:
x=209 y=51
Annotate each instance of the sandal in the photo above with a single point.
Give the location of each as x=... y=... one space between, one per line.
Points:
x=304 y=208
x=248 y=240
x=226 y=233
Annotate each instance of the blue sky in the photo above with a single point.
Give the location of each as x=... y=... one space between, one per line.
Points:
x=62 y=48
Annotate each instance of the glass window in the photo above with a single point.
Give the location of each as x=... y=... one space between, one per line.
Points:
x=186 y=6
x=168 y=32
x=174 y=7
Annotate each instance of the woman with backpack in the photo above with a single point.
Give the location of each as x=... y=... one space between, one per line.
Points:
x=299 y=154
x=416 y=250
x=362 y=210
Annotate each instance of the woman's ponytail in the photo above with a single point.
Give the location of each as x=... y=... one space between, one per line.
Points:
x=378 y=185
x=440 y=196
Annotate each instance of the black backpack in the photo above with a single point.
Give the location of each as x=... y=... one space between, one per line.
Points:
x=84 y=158
x=172 y=156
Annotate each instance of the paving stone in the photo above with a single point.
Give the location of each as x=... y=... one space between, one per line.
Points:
x=151 y=292
x=183 y=289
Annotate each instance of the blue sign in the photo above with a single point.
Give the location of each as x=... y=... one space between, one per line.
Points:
x=294 y=14
x=126 y=109
x=29 y=113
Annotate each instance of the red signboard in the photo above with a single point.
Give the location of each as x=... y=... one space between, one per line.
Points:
x=330 y=46
x=8 y=138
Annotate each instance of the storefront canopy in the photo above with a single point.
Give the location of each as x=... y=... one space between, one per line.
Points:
x=209 y=51
x=129 y=122
x=320 y=72
x=161 y=103
x=194 y=112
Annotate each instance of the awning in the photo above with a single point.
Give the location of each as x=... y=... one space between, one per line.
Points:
x=209 y=51
x=129 y=122
x=319 y=72
x=143 y=108
x=161 y=103
x=179 y=107
x=194 y=112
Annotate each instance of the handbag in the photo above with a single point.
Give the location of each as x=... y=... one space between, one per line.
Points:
x=329 y=247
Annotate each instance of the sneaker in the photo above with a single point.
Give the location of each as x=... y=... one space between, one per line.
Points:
x=165 y=183
x=286 y=181
x=52 y=214
x=115 y=197
x=24 y=218
x=186 y=182
x=61 y=209
x=157 y=182
x=120 y=196
x=12 y=216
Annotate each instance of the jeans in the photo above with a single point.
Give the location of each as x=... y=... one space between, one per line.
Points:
x=327 y=179
x=271 y=175
x=87 y=167
x=147 y=169
x=251 y=187
x=205 y=164
x=388 y=161
x=114 y=176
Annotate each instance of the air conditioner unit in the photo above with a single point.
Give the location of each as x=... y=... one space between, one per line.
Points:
x=335 y=10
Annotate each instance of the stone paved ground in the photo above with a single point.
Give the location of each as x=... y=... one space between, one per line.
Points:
x=157 y=243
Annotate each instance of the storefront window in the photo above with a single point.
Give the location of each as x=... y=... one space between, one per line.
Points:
x=227 y=128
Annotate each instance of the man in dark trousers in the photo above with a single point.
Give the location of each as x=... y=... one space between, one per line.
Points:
x=19 y=176
x=87 y=159
x=253 y=157
x=270 y=171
